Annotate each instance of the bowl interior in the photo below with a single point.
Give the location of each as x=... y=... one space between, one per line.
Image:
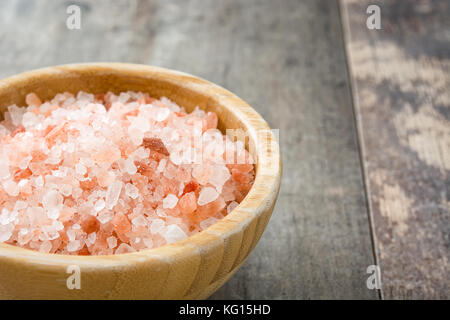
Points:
x=186 y=90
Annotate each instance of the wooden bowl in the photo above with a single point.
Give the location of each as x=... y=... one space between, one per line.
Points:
x=190 y=269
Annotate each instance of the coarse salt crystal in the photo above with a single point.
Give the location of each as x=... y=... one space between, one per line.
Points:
x=91 y=238
x=11 y=188
x=124 y=248
x=80 y=169
x=157 y=226
x=130 y=167
x=73 y=245
x=207 y=195
x=52 y=202
x=99 y=205
x=46 y=246
x=139 y=221
x=170 y=201
x=112 y=242
x=131 y=191
x=113 y=194
x=4 y=168
x=173 y=234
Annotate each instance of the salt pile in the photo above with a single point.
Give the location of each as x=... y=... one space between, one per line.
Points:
x=108 y=174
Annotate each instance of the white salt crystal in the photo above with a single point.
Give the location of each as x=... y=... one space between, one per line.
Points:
x=71 y=234
x=58 y=225
x=87 y=162
x=130 y=166
x=208 y=222
x=207 y=195
x=11 y=188
x=219 y=176
x=46 y=246
x=131 y=191
x=76 y=226
x=113 y=193
x=73 y=245
x=99 y=205
x=29 y=119
x=22 y=183
x=24 y=162
x=112 y=242
x=65 y=189
x=76 y=192
x=6 y=232
x=136 y=136
x=161 y=212
x=124 y=97
x=124 y=248
x=4 y=168
x=20 y=205
x=39 y=182
x=141 y=153
x=105 y=217
x=170 y=201
x=91 y=238
x=139 y=123
x=148 y=242
x=6 y=217
x=157 y=226
x=139 y=221
x=16 y=114
x=174 y=233
x=232 y=206
x=161 y=165
x=80 y=169
x=52 y=202
x=36 y=213
x=162 y=114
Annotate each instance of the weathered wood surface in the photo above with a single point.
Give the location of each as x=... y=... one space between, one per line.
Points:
x=286 y=58
x=401 y=84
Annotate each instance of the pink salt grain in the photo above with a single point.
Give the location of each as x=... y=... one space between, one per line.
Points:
x=104 y=174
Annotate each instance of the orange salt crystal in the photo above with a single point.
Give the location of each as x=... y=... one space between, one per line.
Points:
x=121 y=223
x=190 y=186
x=240 y=177
x=155 y=144
x=90 y=224
x=22 y=174
x=107 y=154
x=210 y=208
x=33 y=100
x=188 y=203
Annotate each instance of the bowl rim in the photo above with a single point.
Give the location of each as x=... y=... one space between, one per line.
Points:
x=260 y=198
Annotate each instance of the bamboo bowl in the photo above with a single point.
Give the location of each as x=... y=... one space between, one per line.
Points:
x=190 y=269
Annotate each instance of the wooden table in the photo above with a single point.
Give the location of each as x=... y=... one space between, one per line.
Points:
x=363 y=116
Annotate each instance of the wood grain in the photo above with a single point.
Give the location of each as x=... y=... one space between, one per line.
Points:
x=286 y=58
x=401 y=90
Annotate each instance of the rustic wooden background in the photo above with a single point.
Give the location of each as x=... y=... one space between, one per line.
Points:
x=363 y=116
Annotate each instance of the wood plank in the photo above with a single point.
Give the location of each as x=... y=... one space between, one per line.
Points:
x=401 y=88
x=286 y=58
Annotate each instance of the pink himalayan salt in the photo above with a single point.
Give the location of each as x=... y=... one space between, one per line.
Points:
x=108 y=174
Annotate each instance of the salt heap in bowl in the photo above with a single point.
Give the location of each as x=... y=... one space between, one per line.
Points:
x=108 y=174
